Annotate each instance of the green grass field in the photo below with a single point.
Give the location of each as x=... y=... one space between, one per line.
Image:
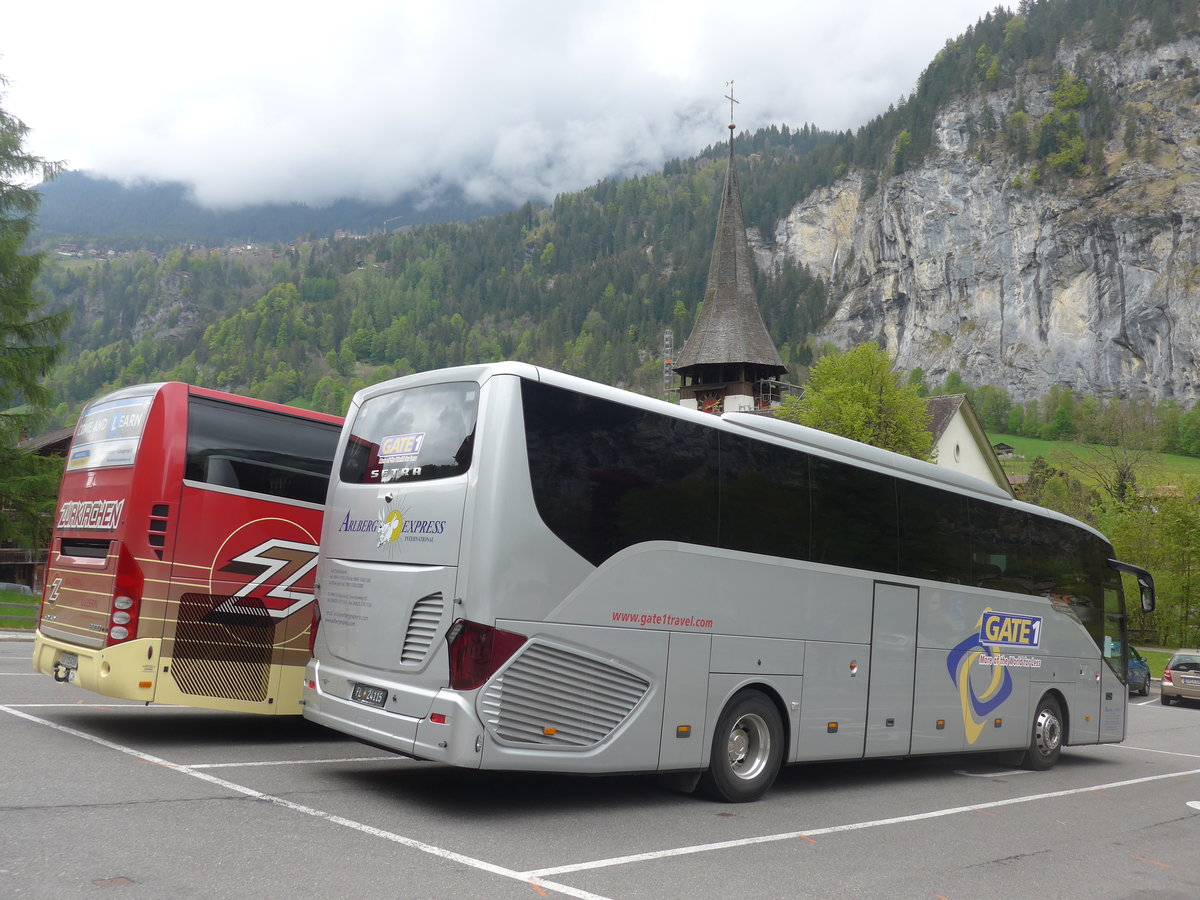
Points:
x=1157 y=660
x=1162 y=468
x=18 y=612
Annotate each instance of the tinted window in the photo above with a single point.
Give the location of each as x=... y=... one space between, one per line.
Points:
x=412 y=435
x=1000 y=548
x=606 y=475
x=935 y=534
x=258 y=450
x=764 y=498
x=1066 y=562
x=853 y=515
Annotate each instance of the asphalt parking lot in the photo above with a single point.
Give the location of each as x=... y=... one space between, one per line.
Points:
x=115 y=799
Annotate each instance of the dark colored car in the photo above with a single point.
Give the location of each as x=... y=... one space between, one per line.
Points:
x=1181 y=677
x=1139 y=672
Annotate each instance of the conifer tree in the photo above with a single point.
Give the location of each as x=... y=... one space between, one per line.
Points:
x=27 y=341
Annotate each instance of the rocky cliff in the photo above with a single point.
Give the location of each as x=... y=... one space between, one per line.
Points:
x=971 y=263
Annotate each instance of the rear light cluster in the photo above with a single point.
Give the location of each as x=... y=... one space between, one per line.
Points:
x=126 y=600
x=477 y=652
x=1167 y=676
x=312 y=628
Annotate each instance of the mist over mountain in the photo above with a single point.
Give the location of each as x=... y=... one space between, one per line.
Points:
x=84 y=209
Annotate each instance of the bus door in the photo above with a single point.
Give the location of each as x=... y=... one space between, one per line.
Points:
x=892 y=670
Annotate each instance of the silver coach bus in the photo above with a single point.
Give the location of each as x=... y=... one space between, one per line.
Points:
x=525 y=570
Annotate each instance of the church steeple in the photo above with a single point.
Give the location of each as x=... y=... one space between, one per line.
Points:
x=729 y=350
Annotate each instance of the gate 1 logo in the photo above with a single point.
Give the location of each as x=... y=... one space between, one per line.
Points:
x=275 y=559
x=978 y=705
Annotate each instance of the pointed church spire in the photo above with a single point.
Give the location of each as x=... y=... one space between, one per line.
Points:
x=729 y=349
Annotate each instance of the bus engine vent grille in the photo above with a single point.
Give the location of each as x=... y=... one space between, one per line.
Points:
x=221 y=654
x=558 y=698
x=422 y=628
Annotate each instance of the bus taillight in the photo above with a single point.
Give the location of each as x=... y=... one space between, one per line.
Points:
x=477 y=651
x=127 y=599
x=312 y=628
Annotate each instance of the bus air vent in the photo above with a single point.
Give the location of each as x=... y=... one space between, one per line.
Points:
x=557 y=697
x=157 y=532
x=422 y=628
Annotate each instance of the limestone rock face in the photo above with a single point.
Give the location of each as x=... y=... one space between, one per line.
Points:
x=964 y=264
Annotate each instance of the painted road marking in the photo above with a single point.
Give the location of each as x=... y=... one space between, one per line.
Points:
x=411 y=843
x=299 y=762
x=835 y=829
x=537 y=877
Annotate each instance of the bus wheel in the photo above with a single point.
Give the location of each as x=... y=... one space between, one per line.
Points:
x=1046 y=741
x=747 y=749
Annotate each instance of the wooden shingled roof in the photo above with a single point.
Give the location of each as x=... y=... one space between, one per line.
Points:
x=730 y=327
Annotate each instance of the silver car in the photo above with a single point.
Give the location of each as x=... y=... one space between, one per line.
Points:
x=1181 y=677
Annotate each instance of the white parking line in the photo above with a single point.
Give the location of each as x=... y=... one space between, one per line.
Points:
x=411 y=843
x=834 y=829
x=296 y=762
x=1152 y=750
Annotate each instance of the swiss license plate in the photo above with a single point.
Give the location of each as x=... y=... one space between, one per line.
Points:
x=369 y=695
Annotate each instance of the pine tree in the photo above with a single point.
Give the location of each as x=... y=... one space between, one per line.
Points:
x=27 y=342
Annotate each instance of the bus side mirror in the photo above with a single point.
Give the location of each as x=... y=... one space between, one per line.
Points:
x=1144 y=579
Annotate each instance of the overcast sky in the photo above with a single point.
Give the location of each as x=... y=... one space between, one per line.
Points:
x=259 y=101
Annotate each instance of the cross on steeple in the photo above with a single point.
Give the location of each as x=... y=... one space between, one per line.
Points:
x=729 y=97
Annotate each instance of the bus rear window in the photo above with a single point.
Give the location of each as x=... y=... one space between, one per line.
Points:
x=416 y=434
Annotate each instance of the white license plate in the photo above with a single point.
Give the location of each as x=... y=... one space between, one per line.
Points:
x=369 y=695
x=1187 y=680
x=68 y=660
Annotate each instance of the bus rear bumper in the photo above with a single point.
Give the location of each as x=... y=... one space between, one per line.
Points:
x=450 y=733
x=125 y=672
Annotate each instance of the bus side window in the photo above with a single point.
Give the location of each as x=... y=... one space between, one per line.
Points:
x=855 y=511
x=1000 y=548
x=764 y=498
x=934 y=533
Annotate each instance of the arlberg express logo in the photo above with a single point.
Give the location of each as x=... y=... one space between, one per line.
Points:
x=278 y=569
x=393 y=526
x=997 y=632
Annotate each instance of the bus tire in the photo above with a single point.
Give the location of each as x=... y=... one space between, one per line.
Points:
x=1046 y=738
x=747 y=749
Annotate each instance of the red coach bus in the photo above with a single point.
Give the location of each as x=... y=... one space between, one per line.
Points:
x=182 y=560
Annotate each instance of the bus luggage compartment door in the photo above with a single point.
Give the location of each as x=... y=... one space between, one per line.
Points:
x=893 y=664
